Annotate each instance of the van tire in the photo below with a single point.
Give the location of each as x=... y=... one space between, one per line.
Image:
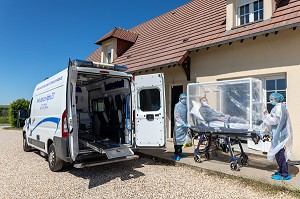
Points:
x=26 y=148
x=55 y=164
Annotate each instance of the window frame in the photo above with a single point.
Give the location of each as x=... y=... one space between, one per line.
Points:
x=264 y=80
x=258 y=10
x=251 y=11
x=147 y=105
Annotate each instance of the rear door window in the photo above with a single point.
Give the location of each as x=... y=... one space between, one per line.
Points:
x=150 y=99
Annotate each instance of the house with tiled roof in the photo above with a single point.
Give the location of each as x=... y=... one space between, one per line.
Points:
x=204 y=41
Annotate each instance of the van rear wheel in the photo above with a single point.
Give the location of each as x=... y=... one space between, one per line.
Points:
x=55 y=163
x=26 y=148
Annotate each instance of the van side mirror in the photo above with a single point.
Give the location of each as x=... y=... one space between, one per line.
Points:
x=22 y=115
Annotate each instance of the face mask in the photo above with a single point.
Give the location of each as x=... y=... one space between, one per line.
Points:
x=273 y=103
x=183 y=101
x=205 y=103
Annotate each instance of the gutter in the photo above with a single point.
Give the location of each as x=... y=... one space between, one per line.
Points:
x=152 y=68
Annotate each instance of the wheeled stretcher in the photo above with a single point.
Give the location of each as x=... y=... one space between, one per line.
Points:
x=232 y=112
x=223 y=137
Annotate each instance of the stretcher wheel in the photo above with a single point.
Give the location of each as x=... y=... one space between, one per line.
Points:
x=244 y=161
x=245 y=156
x=207 y=155
x=234 y=166
x=224 y=148
x=197 y=158
x=216 y=153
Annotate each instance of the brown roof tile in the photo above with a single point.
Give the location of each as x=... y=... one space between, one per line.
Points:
x=95 y=56
x=166 y=39
x=119 y=33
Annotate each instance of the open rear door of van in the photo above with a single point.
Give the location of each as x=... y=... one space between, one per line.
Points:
x=150 y=124
x=71 y=111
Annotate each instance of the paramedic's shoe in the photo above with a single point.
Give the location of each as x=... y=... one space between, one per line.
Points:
x=182 y=155
x=279 y=177
x=176 y=157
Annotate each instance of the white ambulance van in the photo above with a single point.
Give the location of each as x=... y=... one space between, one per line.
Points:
x=93 y=113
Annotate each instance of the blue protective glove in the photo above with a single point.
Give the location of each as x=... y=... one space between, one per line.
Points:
x=186 y=125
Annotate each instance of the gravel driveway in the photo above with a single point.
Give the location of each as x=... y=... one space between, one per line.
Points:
x=27 y=175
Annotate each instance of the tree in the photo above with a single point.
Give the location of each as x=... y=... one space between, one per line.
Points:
x=13 y=110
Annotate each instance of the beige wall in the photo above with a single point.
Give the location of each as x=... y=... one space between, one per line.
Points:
x=113 y=43
x=230 y=14
x=269 y=8
x=272 y=55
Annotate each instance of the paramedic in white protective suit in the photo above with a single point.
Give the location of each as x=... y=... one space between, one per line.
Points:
x=180 y=128
x=281 y=134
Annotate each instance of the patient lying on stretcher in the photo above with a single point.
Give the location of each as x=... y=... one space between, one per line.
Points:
x=209 y=114
x=210 y=117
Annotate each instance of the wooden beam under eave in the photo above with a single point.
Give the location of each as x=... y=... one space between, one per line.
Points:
x=186 y=65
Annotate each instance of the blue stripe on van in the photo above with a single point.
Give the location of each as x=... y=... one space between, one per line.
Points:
x=48 y=119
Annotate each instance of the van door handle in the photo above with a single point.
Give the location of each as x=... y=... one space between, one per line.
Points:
x=150 y=117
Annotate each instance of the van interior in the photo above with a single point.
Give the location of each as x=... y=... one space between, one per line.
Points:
x=101 y=113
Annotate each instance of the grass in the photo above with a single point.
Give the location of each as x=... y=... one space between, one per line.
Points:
x=4 y=120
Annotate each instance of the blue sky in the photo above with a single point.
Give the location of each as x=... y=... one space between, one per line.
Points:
x=37 y=37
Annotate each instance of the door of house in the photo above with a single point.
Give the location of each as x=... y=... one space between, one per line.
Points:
x=175 y=92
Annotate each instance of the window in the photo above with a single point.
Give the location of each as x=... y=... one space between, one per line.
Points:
x=98 y=105
x=244 y=14
x=258 y=10
x=274 y=84
x=108 y=54
x=150 y=100
x=251 y=11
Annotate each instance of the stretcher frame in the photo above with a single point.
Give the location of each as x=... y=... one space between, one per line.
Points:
x=206 y=132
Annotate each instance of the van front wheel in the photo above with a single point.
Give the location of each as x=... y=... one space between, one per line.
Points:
x=55 y=163
x=26 y=148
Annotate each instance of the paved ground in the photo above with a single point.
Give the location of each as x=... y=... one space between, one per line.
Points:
x=259 y=168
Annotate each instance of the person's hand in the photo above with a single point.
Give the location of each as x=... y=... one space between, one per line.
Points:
x=186 y=125
x=265 y=111
x=221 y=119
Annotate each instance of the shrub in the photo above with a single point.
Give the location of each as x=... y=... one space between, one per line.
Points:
x=13 y=110
x=3 y=114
